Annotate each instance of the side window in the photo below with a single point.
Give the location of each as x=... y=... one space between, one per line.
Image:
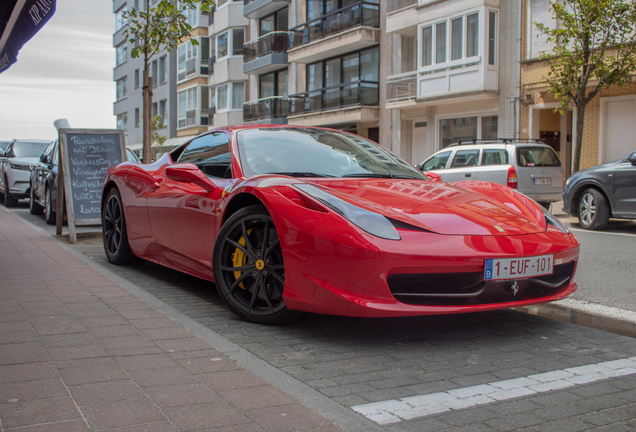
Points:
x=494 y=157
x=465 y=158
x=211 y=153
x=436 y=162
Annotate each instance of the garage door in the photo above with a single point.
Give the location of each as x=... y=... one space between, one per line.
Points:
x=619 y=129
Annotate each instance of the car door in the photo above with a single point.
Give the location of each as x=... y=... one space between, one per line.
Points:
x=183 y=215
x=625 y=187
x=3 y=162
x=436 y=162
x=40 y=171
x=494 y=166
x=463 y=166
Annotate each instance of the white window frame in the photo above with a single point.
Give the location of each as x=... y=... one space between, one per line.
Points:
x=191 y=52
x=230 y=92
x=122 y=121
x=124 y=88
x=121 y=54
x=120 y=23
x=194 y=90
x=229 y=32
x=450 y=116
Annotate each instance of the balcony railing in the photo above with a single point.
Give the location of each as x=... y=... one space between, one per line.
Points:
x=394 y=5
x=401 y=87
x=274 y=42
x=340 y=96
x=361 y=13
x=267 y=108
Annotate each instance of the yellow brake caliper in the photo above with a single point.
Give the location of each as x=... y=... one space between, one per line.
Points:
x=239 y=258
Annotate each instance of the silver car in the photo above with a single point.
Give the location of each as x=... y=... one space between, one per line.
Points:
x=530 y=166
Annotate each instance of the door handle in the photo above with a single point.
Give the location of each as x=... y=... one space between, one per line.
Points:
x=468 y=174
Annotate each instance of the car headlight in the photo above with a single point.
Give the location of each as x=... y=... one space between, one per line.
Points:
x=550 y=219
x=20 y=166
x=372 y=223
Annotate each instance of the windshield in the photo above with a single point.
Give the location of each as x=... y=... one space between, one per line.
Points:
x=29 y=149
x=305 y=152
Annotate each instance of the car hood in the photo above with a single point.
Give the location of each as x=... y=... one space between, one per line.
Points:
x=462 y=208
x=25 y=160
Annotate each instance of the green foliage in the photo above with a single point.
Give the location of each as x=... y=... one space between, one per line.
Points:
x=593 y=48
x=160 y=27
x=157 y=124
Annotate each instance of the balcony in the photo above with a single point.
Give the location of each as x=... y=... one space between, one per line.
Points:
x=455 y=77
x=335 y=97
x=193 y=68
x=347 y=29
x=228 y=68
x=401 y=87
x=194 y=118
x=273 y=110
x=394 y=5
x=256 y=9
x=265 y=54
x=402 y=19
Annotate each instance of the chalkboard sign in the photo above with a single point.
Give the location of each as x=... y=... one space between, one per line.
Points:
x=86 y=156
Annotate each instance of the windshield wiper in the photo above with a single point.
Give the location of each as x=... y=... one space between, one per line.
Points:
x=387 y=175
x=301 y=174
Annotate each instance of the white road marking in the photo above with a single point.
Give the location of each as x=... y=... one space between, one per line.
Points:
x=601 y=232
x=393 y=411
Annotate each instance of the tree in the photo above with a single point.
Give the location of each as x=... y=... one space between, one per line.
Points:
x=158 y=124
x=592 y=49
x=152 y=30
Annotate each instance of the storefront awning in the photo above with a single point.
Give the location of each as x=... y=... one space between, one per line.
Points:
x=19 y=21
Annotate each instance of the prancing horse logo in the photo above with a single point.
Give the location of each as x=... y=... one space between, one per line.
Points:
x=515 y=288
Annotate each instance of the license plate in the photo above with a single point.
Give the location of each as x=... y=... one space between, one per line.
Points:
x=518 y=268
x=542 y=181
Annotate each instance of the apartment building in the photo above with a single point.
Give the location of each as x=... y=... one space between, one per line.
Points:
x=128 y=76
x=609 y=129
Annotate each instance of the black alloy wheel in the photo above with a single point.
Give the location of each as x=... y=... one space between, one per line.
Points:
x=34 y=207
x=593 y=210
x=248 y=267
x=9 y=200
x=49 y=213
x=114 y=230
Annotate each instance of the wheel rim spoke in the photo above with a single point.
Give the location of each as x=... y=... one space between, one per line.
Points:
x=249 y=253
x=248 y=267
x=237 y=282
x=257 y=287
x=278 y=277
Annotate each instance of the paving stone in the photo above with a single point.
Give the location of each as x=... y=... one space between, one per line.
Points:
x=164 y=376
x=95 y=373
x=181 y=394
x=294 y=417
x=96 y=393
x=110 y=415
x=231 y=379
x=15 y=414
x=515 y=422
x=201 y=416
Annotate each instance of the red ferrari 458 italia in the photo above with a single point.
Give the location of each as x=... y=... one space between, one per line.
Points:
x=286 y=219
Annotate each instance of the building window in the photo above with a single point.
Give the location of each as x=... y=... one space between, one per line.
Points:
x=492 y=37
x=278 y=21
x=187 y=57
x=221 y=41
x=350 y=68
x=238 y=95
x=162 y=111
x=438 y=45
x=155 y=73
x=188 y=107
x=229 y=43
x=221 y=97
x=136 y=75
x=238 y=39
x=122 y=121
x=193 y=17
x=454 y=130
x=122 y=88
x=137 y=119
x=120 y=22
x=163 y=70
x=155 y=109
x=273 y=84
x=121 y=54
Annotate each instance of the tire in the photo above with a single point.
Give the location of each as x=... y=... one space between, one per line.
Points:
x=9 y=200
x=114 y=231
x=34 y=207
x=248 y=267
x=49 y=213
x=593 y=210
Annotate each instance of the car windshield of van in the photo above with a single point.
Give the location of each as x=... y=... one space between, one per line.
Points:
x=29 y=149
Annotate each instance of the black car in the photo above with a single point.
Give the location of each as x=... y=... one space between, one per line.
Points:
x=595 y=194
x=44 y=183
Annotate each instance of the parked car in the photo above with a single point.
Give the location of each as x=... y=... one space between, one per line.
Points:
x=44 y=183
x=595 y=194
x=530 y=166
x=4 y=144
x=16 y=162
x=286 y=219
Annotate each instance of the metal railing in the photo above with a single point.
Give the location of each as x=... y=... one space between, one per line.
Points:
x=361 y=13
x=274 y=42
x=266 y=108
x=401 y=87
x=394 y=5
x=334 y=97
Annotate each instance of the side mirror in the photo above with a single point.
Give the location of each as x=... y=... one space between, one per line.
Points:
x=433 y=176
x=189 y=173
x=419 y=167
x=632 y=158
x=43 y=158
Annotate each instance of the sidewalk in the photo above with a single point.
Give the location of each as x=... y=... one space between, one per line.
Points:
x=79 y=353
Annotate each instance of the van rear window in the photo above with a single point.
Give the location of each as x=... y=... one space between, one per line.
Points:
x=537 y=157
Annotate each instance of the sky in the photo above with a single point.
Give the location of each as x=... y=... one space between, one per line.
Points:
x=64 y=71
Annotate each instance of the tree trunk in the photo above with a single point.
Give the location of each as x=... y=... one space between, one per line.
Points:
x=578 y=144
x=147 y=116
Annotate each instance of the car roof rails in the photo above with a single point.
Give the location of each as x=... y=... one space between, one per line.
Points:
x=496 y=141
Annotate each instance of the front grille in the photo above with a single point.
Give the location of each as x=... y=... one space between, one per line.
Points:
x=458 y=289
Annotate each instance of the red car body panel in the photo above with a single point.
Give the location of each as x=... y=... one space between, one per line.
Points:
x=331 y=265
